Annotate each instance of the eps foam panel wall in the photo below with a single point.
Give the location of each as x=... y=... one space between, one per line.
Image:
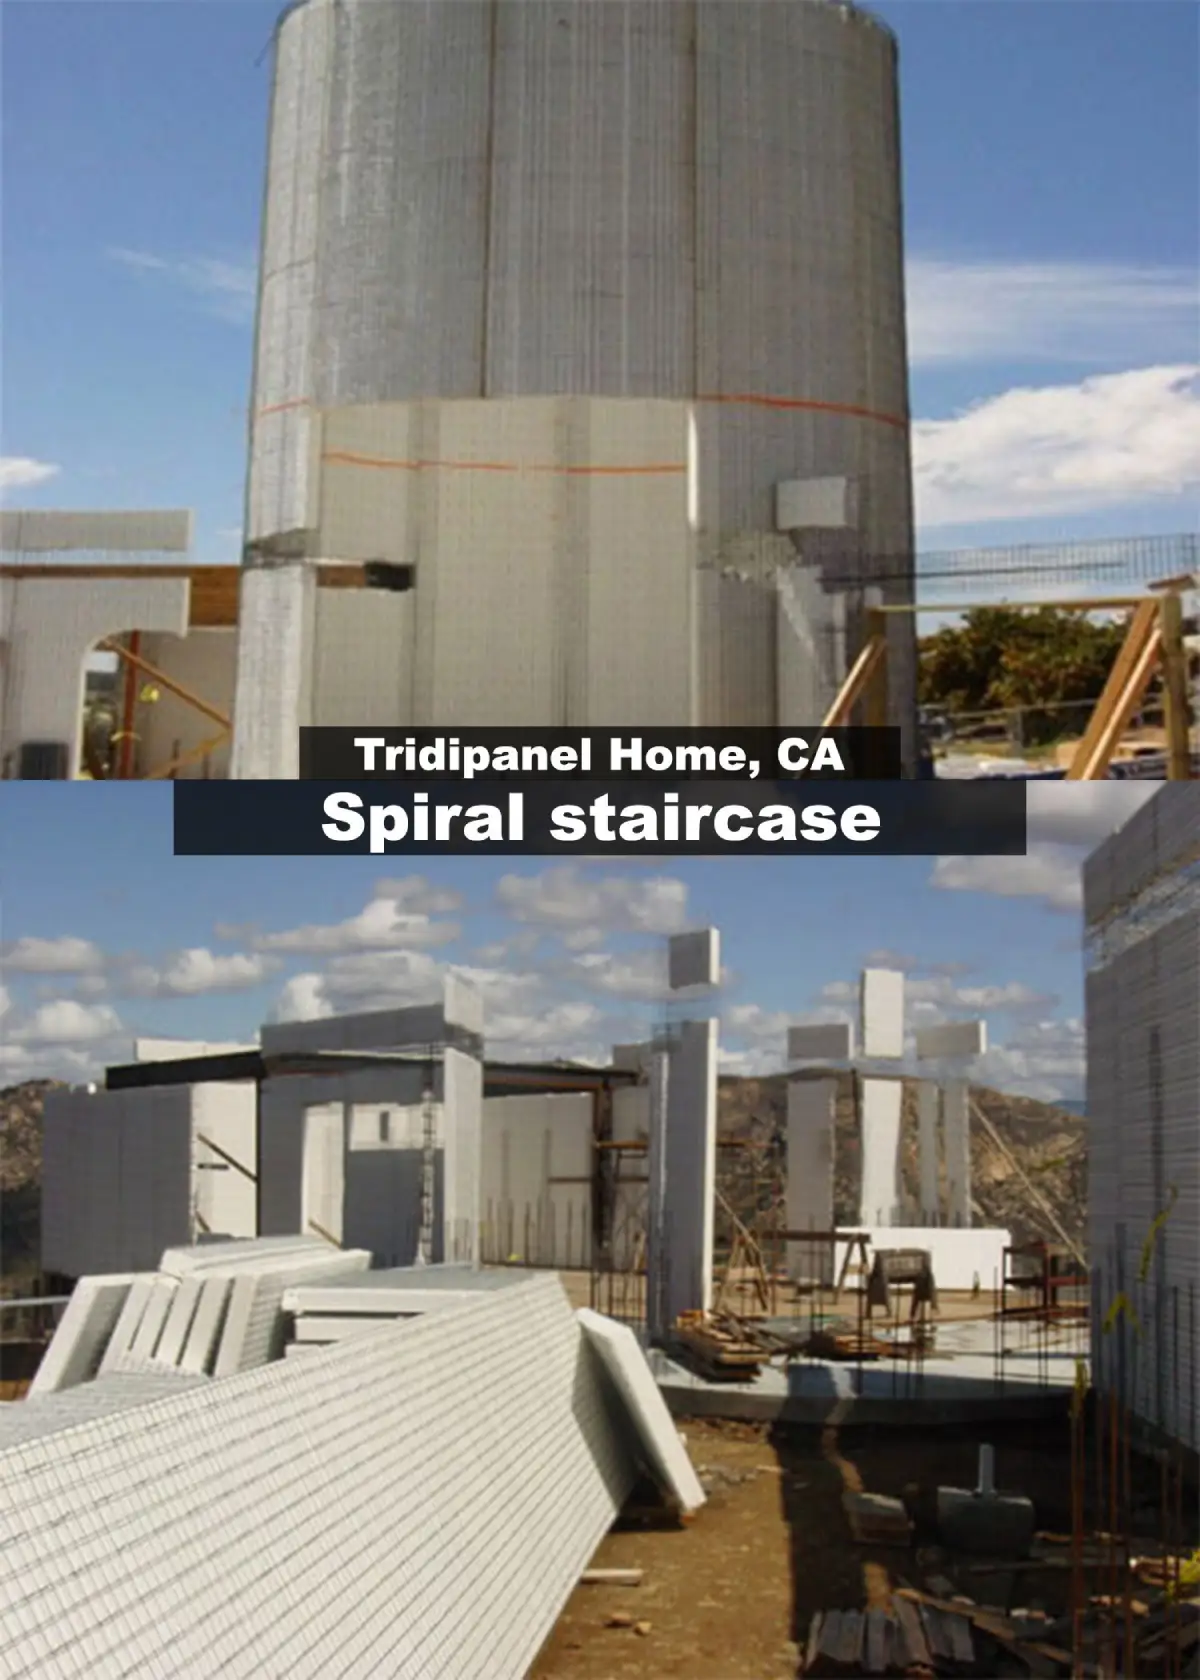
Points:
x=662 y=1451
x=419 y=1502
x=82 y=1334
x=253 y=1330
x=141 y=1290
x=51 y=1415
x=879 y=1123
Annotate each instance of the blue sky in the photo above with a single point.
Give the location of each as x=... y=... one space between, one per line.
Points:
x=1052 y=183
x=105 y=935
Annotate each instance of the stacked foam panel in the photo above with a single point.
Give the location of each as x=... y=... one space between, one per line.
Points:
x=335 y=1308
x=417 y=1501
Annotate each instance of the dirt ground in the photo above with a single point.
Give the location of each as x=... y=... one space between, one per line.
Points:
x=731 y=1596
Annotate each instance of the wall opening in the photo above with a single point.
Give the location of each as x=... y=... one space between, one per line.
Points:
x=158 y=707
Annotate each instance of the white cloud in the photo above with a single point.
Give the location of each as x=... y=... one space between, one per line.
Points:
x=1043 y=1059
x=398 y=916
x=65 y=1021
x=1064 y=824
x=21 y=472
x=567 y=897
x=197 y=971
x=637 y=976
x=302 y=999
x=1082 y=815
x=1109 y=441
x=1048 y=873
x=1098 y=313
x=51 y=956
x=228 y=289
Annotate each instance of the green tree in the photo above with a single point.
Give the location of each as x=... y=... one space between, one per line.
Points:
x=1047 y=660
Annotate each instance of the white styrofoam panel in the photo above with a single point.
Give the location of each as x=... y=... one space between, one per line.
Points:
x=38 y=1417
x=416 y=1026
x=694 y=959
x=631 y=1058
x=182 y=1049
x=199 y=1351
x=960 y=1258
x=956 y=1142
x=928 y=1107
x=224 y=1125
x=830 y=1041
x=323 y=1185
x=153 y=1319
x=327 y=1327
x=664 y=1452
x=882 y=1013
x=957 y=1041
x=252 y=1333
x=809 y=1185
x=536 y=1171
x=682 y=1164
x=219 y=1256
x=81 y=1334
x=141 y=1291
x=215 y=1530
x=879 y=1122
x=399 y=1289
x=173 y=1339
x=828 y=504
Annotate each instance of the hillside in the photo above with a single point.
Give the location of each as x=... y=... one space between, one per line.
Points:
x=20 y=1179
x=1045 y=1143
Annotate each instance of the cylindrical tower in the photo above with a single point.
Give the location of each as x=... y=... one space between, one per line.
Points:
x=644 y=256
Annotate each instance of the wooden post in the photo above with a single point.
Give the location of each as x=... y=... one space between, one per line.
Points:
x=875 y=709
x=1125 y=687
x=1176 y=706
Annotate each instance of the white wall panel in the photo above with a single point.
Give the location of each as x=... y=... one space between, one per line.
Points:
x=529 y=1141
x=205 y=663
x=811 y=1105
x=881 y=1101
x=81 y=1334
x=956 y=1138
x=225 y=1159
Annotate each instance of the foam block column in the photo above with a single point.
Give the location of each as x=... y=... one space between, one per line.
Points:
x=683 y=1149
x=956 y=1126
x=881 y=1108
x=809 y=1194
x=274 y=671
x=927 y=1150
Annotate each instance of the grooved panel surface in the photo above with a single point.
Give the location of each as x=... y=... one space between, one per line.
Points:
x=81 y=1334
x=254 y=1329
x=1143 y=1104
x=141 y=1292
x=278 y=1523
x=50 y=1415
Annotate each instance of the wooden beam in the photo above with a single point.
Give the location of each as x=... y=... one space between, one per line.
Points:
x=1088 y=603
x=1126 y=685
x=875 y=708
x=183 y=759
x=1176 y=704
x=874 y=653
x=169 y=683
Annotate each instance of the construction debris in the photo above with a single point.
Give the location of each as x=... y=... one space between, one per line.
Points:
x=877 y=1520
x=611 y=1578
x=718 y=1347
x=907 y=1638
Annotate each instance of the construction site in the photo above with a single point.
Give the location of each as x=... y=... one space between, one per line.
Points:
x=681 y=441
x=629 y=1369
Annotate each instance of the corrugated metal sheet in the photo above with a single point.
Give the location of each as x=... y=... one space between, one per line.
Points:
x=278 y=1522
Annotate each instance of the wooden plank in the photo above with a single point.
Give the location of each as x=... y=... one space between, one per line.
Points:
x=962 y=1646
x=1175 y=689
x=935 y=1632
x=611 y=1578
x=1126 y=684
